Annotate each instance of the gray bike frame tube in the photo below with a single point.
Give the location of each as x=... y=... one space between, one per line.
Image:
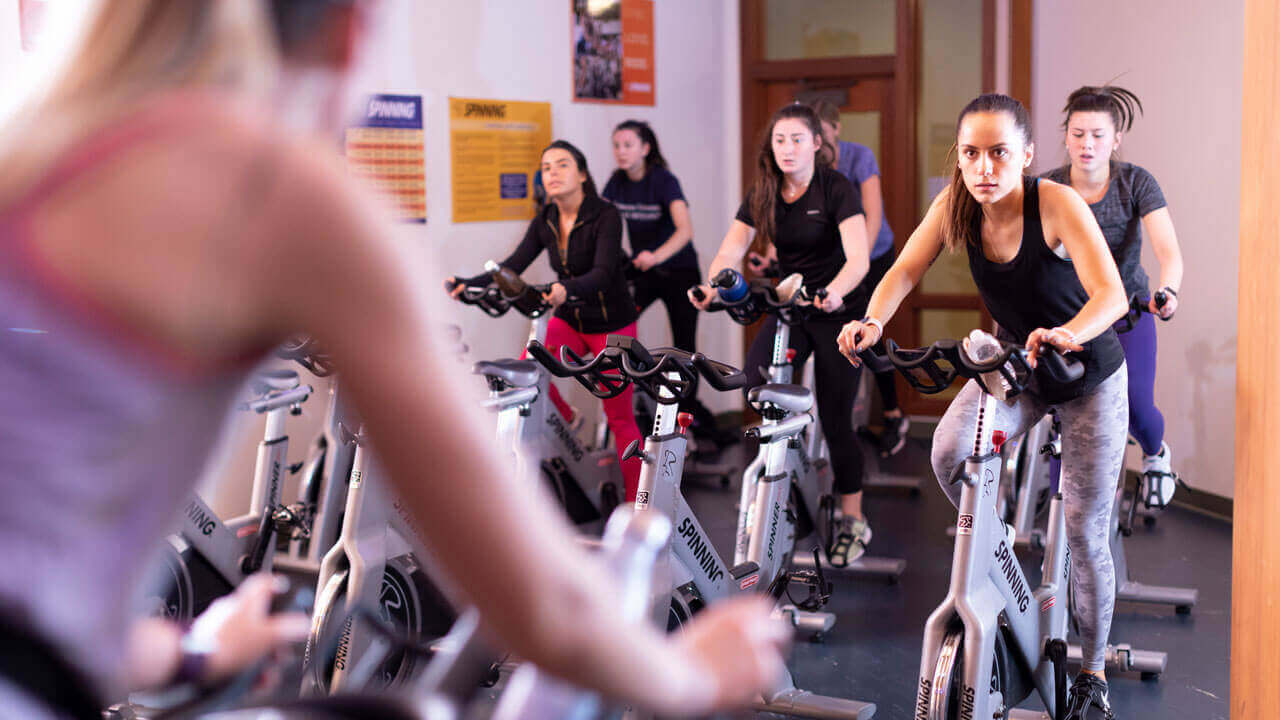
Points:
x=779 y=372
x=362 y=551
x=326 y=524
x=661 y=466
x=1035 y=469
x=986 y=579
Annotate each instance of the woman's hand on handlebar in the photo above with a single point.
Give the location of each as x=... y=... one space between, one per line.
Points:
x=856 y=337
x=454 y=287
x=828 y=302
x=735 y=649
x=239 y=629
x=1166 y=311
x=1057 y=338
x=707 y=295
x=555 y=295
x=757 y=262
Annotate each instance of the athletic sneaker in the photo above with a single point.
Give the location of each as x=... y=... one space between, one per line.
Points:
x=894 y=436
x=1087 y=699
x=1158 y=479
x=850 y=543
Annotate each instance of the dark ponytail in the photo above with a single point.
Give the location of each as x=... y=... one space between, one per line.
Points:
x=762 y=198
x=1122 y=105
x=588 y=187
x=962 y=208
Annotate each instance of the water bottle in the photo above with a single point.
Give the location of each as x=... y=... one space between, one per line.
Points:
x=983 y=348
x=506 y=279
x=513 y=288
x=731 y=286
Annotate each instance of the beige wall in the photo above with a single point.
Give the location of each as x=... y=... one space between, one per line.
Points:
x=1184 y=61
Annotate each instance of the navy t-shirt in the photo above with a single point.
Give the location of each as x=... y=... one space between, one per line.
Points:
x=808 y=230
x=646 y=206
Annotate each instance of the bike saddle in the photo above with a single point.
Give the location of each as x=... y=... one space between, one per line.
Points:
x=267 y=381
x=516 y=373
x=792 y=398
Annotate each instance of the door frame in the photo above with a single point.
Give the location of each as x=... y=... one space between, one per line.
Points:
x=902 y=69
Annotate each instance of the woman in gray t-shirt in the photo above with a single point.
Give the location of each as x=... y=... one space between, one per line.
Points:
x=1125 y=199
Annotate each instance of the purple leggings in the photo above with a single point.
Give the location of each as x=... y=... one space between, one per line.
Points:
x=1146 y=424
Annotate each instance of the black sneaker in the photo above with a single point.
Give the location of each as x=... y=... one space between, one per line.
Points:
x=894 y=437
x=1087 y=699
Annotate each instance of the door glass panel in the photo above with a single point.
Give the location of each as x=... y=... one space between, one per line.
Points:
x=798 y=29
x=951 y=76
x=862 y=128
x=949 y=274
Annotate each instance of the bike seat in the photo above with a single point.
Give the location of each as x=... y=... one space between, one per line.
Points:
x=792 y=398
x=516 y=373
x=266 y=381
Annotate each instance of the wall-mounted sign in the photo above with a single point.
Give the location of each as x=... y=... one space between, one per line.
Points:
x=496 y=146
x=613 y=51
x=385 y=150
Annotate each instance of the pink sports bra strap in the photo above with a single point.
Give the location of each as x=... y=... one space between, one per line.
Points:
x=157 y=115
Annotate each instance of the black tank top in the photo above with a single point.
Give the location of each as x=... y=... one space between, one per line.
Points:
x=1038 y=289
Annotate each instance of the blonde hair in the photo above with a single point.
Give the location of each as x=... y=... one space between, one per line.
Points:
x=130 y=48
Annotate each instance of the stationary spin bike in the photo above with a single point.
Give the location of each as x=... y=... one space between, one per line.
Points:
x=806 y=457
x=586 y=480
x=208 y=557
x=695 y=574
x=993 y=641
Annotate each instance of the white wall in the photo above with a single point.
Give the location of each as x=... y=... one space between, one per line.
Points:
x=1185 y=63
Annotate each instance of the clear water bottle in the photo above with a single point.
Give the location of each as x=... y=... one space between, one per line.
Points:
x=983 y=348
x=731 y=286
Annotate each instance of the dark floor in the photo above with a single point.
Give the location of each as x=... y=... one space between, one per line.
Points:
x=873 y=653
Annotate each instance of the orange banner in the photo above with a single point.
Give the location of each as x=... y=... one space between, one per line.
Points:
x=613 y=51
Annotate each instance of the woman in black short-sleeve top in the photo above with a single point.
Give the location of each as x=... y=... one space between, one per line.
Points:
x=812 y=216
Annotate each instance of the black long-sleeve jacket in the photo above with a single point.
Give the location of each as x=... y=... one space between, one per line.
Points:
x=591 y=265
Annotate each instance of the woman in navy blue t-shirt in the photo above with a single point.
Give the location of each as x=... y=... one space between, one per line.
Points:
x=664 y=264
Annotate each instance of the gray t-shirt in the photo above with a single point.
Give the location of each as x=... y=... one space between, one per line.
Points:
x=1131 y=195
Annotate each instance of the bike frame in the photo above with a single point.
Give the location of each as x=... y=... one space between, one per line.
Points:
x=986 y=583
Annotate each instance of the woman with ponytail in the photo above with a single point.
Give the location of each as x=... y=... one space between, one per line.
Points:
x=172 y=209
x=1126 y=199
x=663 y=261
x=1012 y=228
x=812 y=216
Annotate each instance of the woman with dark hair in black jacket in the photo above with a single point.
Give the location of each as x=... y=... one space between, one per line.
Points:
x=582 y=235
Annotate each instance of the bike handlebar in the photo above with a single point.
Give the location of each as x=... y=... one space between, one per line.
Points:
x=624 y=362
x=924 y=371
x=305 y=351
x=1137 y=307
x=762 y=298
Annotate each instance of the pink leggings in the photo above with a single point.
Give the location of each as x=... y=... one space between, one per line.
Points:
x=617 y=410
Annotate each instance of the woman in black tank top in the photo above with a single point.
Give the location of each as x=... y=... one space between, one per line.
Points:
x=1045 y=273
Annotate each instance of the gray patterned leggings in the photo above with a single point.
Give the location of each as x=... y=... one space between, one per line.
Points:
x=1094 y=429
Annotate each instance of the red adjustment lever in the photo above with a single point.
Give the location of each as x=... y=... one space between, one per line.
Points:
x=997 y=439
x=684 y=420
x=791 y=354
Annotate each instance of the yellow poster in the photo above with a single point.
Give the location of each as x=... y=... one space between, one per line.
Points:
x=495 y=147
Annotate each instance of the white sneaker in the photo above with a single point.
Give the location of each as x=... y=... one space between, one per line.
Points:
x=1158 y=479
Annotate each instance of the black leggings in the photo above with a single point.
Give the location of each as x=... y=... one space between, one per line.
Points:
x=671 y=286
x=885 y=380
x=835 y=387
